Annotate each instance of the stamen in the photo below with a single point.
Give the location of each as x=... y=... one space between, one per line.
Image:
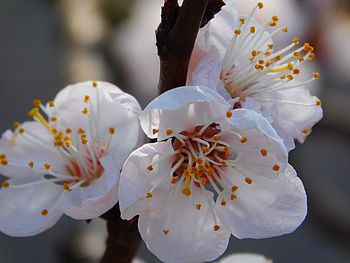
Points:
x=44 y=212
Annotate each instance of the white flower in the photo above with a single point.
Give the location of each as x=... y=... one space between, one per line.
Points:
x=241 y=62
x=245 y=258
x=212 y=172
x=70 y=162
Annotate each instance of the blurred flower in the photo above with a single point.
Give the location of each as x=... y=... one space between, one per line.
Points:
x=245 y=258
x=245 y=66
x=212 y=172
x=70 y=163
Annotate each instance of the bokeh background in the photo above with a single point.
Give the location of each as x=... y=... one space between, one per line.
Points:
x=47 y=44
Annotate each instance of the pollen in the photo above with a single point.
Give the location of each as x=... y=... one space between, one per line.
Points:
x=260 y=5
x=237 y=32
x=111 y=131
x=66 y=187
x=47 y=166
x=149 y=195
x=296 y=71
x=233 y=197
x=296 y=41
x=86 y=99
x=229 y=114
x=244 y=139
x=198 y=206
x=94 y=84
x=186 y=191
x=21 y=130
x=275 y=18
x=51 y=104
x=31 y=165
x=2 y=156
x=68 y=130
x=223 y=202
x=166 y=231
x=53 y=119
x=150 y=168
x=85 y=111
x=263 y=152
x=5 y=184
x=242 y=20
x=316 y=75
x=276 y=167
x=169 y=132
x=252 y=29
x=36 y=102
x=15 y=125
x=44 y=212
x=216 y=228
x=248 y=180
x=4 y=162
x=284 y=29
x=318 y=102
x=234 y=188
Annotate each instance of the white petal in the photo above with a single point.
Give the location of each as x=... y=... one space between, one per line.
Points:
x=97 y=198
x=266 y=207
x=19 y=149
x=181 y=109
x=207 y=72
x=293 y=119
x=20 y=208
x=191 y=237
x=245 y=258
x=136 y=181
x=260 y=137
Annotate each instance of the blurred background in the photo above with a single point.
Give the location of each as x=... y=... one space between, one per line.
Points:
x=47 y=44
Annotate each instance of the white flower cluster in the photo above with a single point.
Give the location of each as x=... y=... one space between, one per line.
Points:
x=219 y=166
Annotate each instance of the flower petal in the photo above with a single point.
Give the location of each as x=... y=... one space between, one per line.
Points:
x=22 y=207
x=245 y=258
x=97 y=198
x=266 y=207
x=289 y=113
x=34 y=145
x=136 y=179
x=191 y=237
x=181 y=109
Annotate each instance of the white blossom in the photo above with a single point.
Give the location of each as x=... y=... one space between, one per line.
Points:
x=241 y=62
x=245 y=258
x=213 y=172
x=69 y=161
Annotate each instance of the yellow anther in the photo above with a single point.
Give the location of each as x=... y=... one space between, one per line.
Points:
x=254 y=53
x=216 y=137
x=290 y=77
x=5 y=184
x=166 y=231
x=15 y=125
x=47 y=166
x=301 y=59
x=263 y=152
x=308 y=47
x=68 y=131
x=242 y=20
x=173 y=180
x=252 y=29
x=51 y=104
x=31 y=165
x=150 y=168
x=84 y=141
x=229 y=114
x=311 y=56
x=169 y=132
x=233 y=197
x=290 y=66
x=200 y=161
x=44 y=212
x=260 y=5
x=4 y=162
x=66 y=187
x=149 y=195
x=248 y=180
x=223 y=202
x=284 y=29
x=81 y=131
x=270 y=46
x=85 y=111
x=269 y=63
x=21 y=130
x=86 y=99
x=94 y=84
x=296 y=41
x=278 y=58
x=35 y=114
x=216 y=228
x=296 y=71
x=261 y=61
x=111 y=131
x=198 y=206
x=275 y=18
x=154 y=131
x=318 y=102
x=206 y=148
x=276 y=167
x=2 y=156
x=234 y=188
x=296 y=54
x=237 y=31
x=273 y=23
x=244 y=139
x=316 y=75
x=186 y=192
x=36 y=102
x=53 y=119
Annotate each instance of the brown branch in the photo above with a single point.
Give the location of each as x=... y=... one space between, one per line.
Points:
x=123 y=238
x=176 y=36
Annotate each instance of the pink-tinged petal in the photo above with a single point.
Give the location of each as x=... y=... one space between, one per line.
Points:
x=94 y=200
x=182 y=109
x=27 y=210
x=178 y=232
x=265 y=207
x=245 y=258
x=35 y=145
x=139 y=175
x=293 y=110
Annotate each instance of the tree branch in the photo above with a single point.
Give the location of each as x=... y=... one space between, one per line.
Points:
x=176 y=36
